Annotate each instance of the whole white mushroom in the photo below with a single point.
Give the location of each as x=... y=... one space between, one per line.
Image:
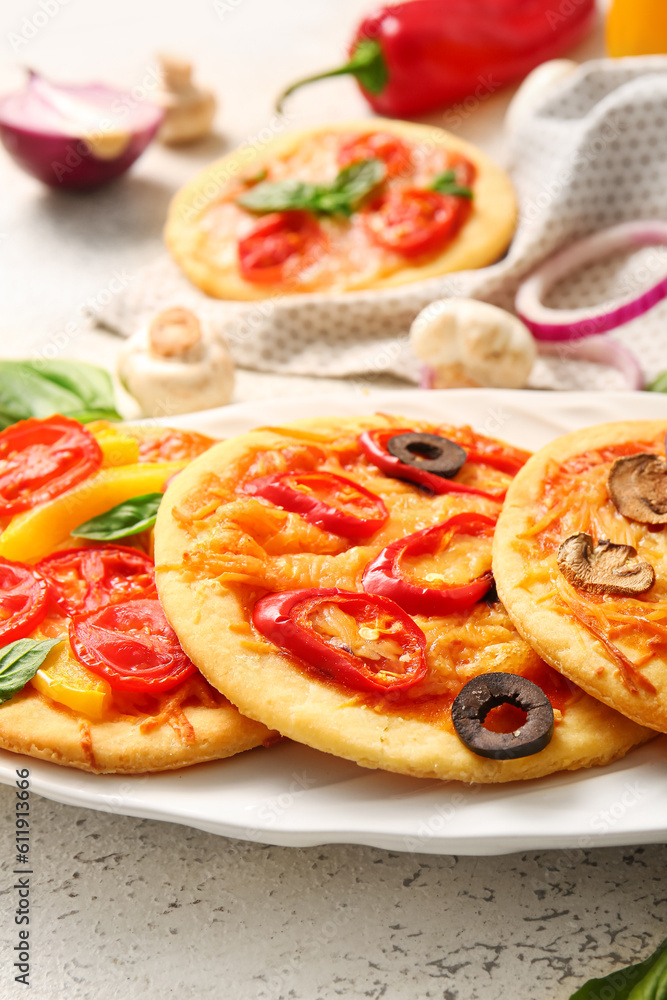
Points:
x=175 y=364
x=466 y=342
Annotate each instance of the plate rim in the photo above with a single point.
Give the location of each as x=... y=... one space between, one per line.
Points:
x=72 y=787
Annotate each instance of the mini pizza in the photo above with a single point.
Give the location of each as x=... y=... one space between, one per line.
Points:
x=362 y=205
x=91 y=673
x=333 y=578
x=580 y=560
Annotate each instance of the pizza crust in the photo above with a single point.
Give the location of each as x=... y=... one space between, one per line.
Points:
x=484 y=237
x=311 y=709
x=560 y=639
x=37 y=726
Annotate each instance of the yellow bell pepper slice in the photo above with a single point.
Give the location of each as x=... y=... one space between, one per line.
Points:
x=62 y=678
x=117 y=448
x=35 y=533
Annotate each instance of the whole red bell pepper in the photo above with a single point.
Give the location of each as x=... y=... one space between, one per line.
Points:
x=285 y=620
x=411 y=58
x=374 y=446
x=345 y=509
x=384 y=575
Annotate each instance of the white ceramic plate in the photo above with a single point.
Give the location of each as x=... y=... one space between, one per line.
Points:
x=294 y=796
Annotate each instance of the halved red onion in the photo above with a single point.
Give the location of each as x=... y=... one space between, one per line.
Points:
x=571 y=324
x=76 y=135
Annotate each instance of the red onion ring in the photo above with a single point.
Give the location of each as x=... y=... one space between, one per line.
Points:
x=427 y=377
x=602 y=351
x=571 y=324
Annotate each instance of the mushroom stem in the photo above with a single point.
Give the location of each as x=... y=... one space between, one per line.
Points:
x=174 y=333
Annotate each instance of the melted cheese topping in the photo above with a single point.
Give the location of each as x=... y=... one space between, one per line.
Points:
x=252 y=547
x=461 y=558
x=574 y=498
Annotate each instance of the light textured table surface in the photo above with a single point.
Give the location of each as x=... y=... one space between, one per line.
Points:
x=127 y=908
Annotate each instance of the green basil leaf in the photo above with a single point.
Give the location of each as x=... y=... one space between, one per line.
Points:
x=446 y=183
x=645 y=981
x=42 y=388
x=654 y=984
x=20 y=661
x=341 y=197
x=281 y=196
x=659 y=384
x=357 y=180
x=127 y=518
x=87 y=416
x=92 y=385
x=24 y=393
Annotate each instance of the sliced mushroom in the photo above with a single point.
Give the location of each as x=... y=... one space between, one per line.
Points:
x=637 y=486
x=605 y=568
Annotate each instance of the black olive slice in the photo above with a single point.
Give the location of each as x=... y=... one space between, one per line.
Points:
x=429 y=452
x=487 y=691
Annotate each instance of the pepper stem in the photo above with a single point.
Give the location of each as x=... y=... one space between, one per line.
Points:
x=367 y=64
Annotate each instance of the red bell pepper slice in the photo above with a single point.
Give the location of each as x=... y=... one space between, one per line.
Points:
x=383 y=575
x=487 y=453
x=285 y=620
x=333 y=503
x=374 y=446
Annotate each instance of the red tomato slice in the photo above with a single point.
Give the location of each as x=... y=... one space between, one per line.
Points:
x=131 y=645
x=395 y=155
x=24 y=599
x=88 y=578
x=412 y=221
x=40 y=459
x=278 y=243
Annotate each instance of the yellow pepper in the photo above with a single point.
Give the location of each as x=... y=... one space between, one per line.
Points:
x=66 y=681
x=34 y=534
x=117 y=448
x=95 y=702
x=637 y=28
